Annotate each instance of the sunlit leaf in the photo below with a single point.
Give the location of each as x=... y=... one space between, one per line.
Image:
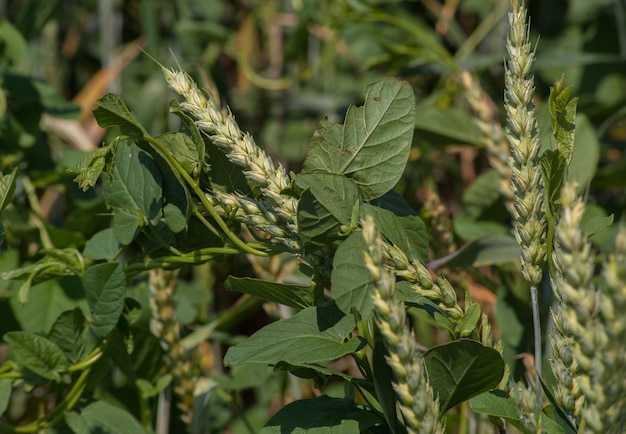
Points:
x=373 y=145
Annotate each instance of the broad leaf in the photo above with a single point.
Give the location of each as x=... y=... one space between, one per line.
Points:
x=102 y=245
x=461 y=370
x=50 y=299
x=322 y=415
x=498 y=403
x=313 y=335
x=185 y=149
x=103 y=418
x=7 y=188
x=490 y=250
x=5 y=393
x=296 y=296
x=105 y=286
x=408 y=232
x=67 y=333
x=482 y=194
x=437 y=121
x=38 y=354
x=325 y=209
x=190 y=130
x=586 y=156
x=133 y=191
x=373 y=145
x=352 y=284
x=112 y=112
x=563 y=114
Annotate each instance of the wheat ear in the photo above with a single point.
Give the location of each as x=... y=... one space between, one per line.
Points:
x=415 y=396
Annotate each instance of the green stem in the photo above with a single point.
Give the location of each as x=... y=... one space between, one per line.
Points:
x=29 y=189
x=537 y=332
x=205 y=202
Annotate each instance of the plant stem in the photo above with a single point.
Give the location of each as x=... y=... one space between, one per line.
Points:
x=534 y=300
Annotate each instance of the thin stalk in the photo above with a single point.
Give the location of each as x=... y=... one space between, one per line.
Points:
x=534 y=300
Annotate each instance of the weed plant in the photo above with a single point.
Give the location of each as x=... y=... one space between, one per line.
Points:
x=369 y=333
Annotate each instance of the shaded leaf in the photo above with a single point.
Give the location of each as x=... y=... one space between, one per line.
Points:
x=322 y=415
x=490 y=250
x=352 y=284
x=553 y=164
x=586 y=156
x=434 y=120
x=38 y=354
x=105 y=286
x=461 y=370
x=325 y=208
x=103 y=418
x=373 y=145
x=7 y=188
x=5 y=394
x=102 y=245
x=67 y=334
x=296 y=296
x=313 y=335
x=563 y=114
x=408 y=233
x=133 y=191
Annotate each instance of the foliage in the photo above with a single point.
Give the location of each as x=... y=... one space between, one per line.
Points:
x=180 y=278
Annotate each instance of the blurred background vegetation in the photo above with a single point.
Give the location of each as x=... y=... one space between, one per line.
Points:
x=282 y=65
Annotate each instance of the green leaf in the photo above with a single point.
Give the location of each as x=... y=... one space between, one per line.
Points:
x=112 y=112
x=482 y=194
x=471 y=229
x=5 y=394
x=14 y=45
x=461 y=370
x=67 y=334
x=393 y=202
x=383 y=377
x=7 y=188
x=373 y=145
x=322 y=415
x=103 y=418
x=190 y=130
x=90 y=168
x=185 y=149
x=244 y=376
x=325 y=208
x=105 y=286
x=102 y=245
x=352 y=284
x=313 y=335
x=498 y=403
x=467 y=323
x=563 y=114
x=296 y=296
x=437 y=121
x=38 y=354
x=553 y=164
x=491 y=250
x=586 y=154
x=49 y=299
x=133 y=191
x=406 y=232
